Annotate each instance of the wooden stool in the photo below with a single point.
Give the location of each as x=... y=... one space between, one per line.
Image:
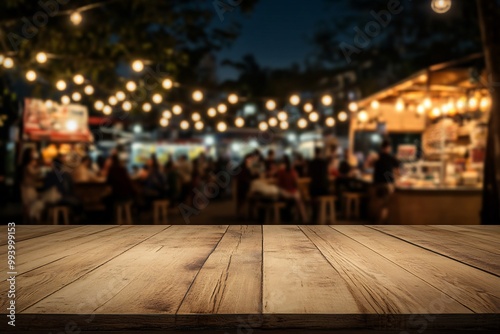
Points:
x=55 y=211
x=352 y=199
x=273 y=212
x=326 y=203
x=124 y=213
x=160 y=208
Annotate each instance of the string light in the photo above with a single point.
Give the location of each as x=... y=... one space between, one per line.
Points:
x=164 y=122
x=400 y=105
x=167 y=84
x=112 y=100
x=302 y=123
x=441 y=6
x=167 y=114
x=239 y=122
x=221 y=127
x=375 y=104
x=177 y=109
x=263 y=126
x=461 y=103
x=222 y=108
x=107 y=110
x=184 y=125
x=212 y=112
x=137 y=66
x=284 y=125
x=127 y=106
x=428 y=103
x=326 y=100
x=353 y=107
x=436 y=112
x=294 y=100
x=41 y=57
x=485 y=103
x=98 y=105
x=195 y=117
x=120 y=95
x=197 y=95
x=31 y=75
x=232 y=98
x=314 y=116
x=76 y=18
x=8 y=63
x=363 y=116
x=282 y=116
x=199 y=125
x=342 y=116
x=78 y=79
x=157 y=98
x=473 y=103
x=49 y=104
x=65 y=100
x=420 y=109
x=76 y=96
x=273 y=122
x=147 y=107
x=270 y=105
x=131 y=86
x=308 y=107
x=330 y=121
x=61 y=85
x=89 y=90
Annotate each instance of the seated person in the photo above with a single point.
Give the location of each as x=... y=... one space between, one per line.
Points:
x=288 y=184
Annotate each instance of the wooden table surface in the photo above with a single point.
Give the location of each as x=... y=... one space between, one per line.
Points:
x=261 y=277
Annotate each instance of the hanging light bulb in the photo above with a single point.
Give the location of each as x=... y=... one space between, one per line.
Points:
x=375 y=104
x=195 y=117
x=420 y=109
x=282 y=116
x=107 y=110
x=167 y=114
x=177 y=109
x=436 y=112
x=137 y=66
x=120 y=95
x=31 y=75
x=400 y=105
x=61 y=85
x=222 y=108
x=353 y=107
x=263 y=126
x=131 y=86
x=294 y=100
x=65 y=100
x=308 y=107
x=485 y=103
x=41 y=57
x=428 y=103
x=232 y=98
x=164 y=122
x=302 y=123
x=461 y=104
x=284 y=125
x=239 y=122
x=127 y=106
x=76 y=96
x=342 y=116
x=157 y=98
x=314 y=116
x=89 y=90
x=273 y=122
x=8 y=63
x=330 y=121
x=112 y=100
x=78 y=79
x=441 y=6
x=167 y=84
x=197 y=95
x=221 y=127
x=49 y=104
x=146 y=107
x=184 y=125
x=473 y=103
x=326 y=100
x=199 y=125
x=98 y=105
x=76 y=18
x=363 y=116
x=212 y=112
x=270 y=105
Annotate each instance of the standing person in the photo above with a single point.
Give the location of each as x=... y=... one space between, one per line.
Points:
x=30 y=174
x=318 y=172
x=288 y=183
x=154 y=182
x=185 y=171
x=385 y=172
x=172 y=179
x=300 y=165
x=122 y=188
x=243 y=183
x=270 y=164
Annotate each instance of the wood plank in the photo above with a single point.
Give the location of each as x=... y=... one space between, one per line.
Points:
x=298 y=279
x=152 y=277
x=36 y=284
x=230 y=281
x=385 y=286
x=454 y=248
x=476 y=232
x=477 y=290
x=26 y=232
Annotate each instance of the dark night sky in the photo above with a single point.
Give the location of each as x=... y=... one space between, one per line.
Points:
x=276 y=32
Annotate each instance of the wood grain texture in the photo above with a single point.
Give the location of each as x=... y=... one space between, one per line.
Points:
x=25 y=232
x=473 y=231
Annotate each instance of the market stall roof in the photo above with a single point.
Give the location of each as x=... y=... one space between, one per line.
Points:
x=441 y=80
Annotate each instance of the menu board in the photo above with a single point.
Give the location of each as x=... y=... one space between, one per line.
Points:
x=54 y=122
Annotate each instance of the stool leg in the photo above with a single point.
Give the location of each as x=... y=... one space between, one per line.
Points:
x=128 y=211
x=66 y=216
x=277 y=218
x=56 y=216
x=119 y=215
x=356 y=208
x=165 y=215
x=268 y=216
x=348 y=208
x=322 y=213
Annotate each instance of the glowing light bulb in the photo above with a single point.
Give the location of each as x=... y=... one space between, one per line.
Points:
x=157 y=98
x=232 y=98
x=61 y=85
x=314 y=116
x=41 y=57
x=89 y=90
x=363 y=116
x=428 y=103
x=112 y=100
x=212 y=112
x=199 y=125
x=107 y=110
x=65 y=100
x=98 y=105
x=76 y=96
x=284 y=125
x=177 y=109
x=270 y=105
x=420 y=109
x=222 y=108
x=441 y=6
x=273 y=121
x=31 y=75
x=353 y=107
x=302 y=123
x=197 y=95
x=308 y=107
x=239 y=122
x=330 y=121
x=294 y=100
x=167 y=84
x=436 y=112
x=167 y=114
x=221 y=127
x=146 y=107
x=127 y=106
x=326 y=100
x=78 y=79
x=137 y=65
x=76 y=18
x=164 y=122
x=184 y=125
x=473 y=103
x=400 y=105
x=375 y=104
x=195 y=117
x=71 y=125
x=263 y=126
x=131 y=86
x=8 y=63
x=342 y=116
x=485 y=103
x=282 y=116
x=49 y=104
x=120 y=95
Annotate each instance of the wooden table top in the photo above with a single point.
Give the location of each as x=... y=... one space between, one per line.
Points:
x=324 y=277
